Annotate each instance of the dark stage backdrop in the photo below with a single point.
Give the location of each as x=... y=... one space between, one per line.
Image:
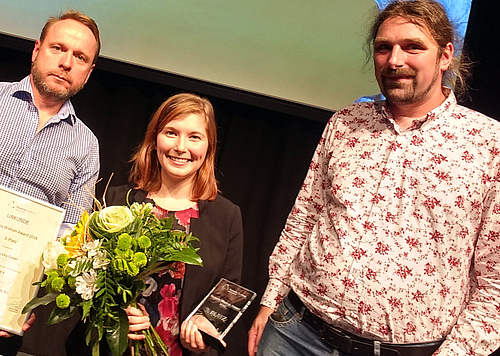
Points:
x=262 y=159
x=263 y=153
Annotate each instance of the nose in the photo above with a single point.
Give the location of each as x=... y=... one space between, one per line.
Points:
x=397 y=57
x=181 y=144
x=66 y=60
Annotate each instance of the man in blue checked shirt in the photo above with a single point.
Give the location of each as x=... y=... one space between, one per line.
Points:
x=45 y=151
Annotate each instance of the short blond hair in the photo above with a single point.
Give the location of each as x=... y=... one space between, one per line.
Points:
x=77 y=16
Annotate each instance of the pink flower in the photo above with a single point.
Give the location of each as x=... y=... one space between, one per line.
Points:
x=168 y=325
x=184 y=216
x=169 y=305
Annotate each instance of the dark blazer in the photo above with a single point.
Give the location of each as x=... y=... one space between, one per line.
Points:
x=220 y=231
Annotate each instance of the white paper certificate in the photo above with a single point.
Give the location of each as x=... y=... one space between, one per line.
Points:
x=26 y=226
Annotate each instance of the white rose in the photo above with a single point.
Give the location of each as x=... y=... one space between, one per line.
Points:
x=50 y=254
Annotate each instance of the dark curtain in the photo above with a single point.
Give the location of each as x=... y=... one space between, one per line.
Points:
x=483 y=41
x=262 y=158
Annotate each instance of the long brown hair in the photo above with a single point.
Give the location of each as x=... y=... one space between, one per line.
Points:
x=146 y=169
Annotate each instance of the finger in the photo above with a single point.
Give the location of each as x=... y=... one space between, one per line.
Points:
x=143 y=309
x=182 y=333
x=200 y=344
x=138 y=319
x=138 y=326
x=252 y=345
x=192 y=338
x=190 y=334
x=139 y=336
x=133 y=311
x=5 y=334
x=29 y=322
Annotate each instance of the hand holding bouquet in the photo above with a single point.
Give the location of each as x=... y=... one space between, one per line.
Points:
x=101 y=265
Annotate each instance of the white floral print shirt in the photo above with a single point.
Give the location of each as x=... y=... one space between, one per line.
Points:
x=395 y=235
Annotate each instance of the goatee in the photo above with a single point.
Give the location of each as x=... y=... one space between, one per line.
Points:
x=46 y=89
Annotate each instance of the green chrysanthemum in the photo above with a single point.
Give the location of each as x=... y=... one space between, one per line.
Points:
x=62 y=260
x=125 y=254
x=57 y=284
x=124 y=242
x=51 y=275
x=132 y=269
x=72 y=282
x=62 y=301
x=140 y=259
x=144 y=242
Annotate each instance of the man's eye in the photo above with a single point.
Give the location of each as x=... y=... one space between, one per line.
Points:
x=382 y=48
x=414 y=47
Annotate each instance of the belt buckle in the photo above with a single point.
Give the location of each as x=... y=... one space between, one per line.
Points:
x=376 y=348
x=347 y=344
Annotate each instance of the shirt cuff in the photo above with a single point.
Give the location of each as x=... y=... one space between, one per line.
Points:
x=274 y=293
x=64 y=228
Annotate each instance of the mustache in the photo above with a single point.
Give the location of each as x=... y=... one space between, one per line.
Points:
x=62 y=75
x=398 y=72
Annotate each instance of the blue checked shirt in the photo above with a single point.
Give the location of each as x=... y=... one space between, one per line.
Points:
x=59 y=164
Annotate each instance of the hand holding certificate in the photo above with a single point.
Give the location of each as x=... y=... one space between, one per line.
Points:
x=26 y=226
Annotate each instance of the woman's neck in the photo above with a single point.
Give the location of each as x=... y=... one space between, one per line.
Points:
x=173 y=195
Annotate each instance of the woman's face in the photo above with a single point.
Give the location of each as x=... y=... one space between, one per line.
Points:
x=182 y=146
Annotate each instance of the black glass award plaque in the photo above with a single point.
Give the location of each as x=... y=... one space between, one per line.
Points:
x=219 y=310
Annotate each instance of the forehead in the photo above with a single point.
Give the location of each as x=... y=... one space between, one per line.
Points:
x=192 y=121
x=399 y=28
x=72 y=32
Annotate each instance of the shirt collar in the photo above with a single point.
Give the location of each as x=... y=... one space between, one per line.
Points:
x=449 y=103
x=24 y=91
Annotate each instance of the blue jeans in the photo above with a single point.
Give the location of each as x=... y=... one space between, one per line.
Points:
x=287 y=335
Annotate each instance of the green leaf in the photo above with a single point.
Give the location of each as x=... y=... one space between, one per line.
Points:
x=95 y=348
x=35 y=302
x=187 y=256
x=116 y=334
x=81 y=266
x=57 y=315
x=87 y=304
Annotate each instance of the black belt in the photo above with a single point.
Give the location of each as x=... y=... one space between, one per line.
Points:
x=350 y=343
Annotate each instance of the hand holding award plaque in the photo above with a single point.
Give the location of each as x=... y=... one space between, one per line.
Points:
x=219 y=311
x=26 y=226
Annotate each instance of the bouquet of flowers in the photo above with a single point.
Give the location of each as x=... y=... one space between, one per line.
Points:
x=100 y=267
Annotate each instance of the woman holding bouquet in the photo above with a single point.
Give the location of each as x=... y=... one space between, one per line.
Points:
x=174 y=168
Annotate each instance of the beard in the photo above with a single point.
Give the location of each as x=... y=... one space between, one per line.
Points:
x=408 y=92
x=47 y=90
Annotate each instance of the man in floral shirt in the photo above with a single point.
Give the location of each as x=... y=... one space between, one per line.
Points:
x=392 y=245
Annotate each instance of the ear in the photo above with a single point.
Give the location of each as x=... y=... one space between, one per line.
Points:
x=447 y=57
x=36 y=49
